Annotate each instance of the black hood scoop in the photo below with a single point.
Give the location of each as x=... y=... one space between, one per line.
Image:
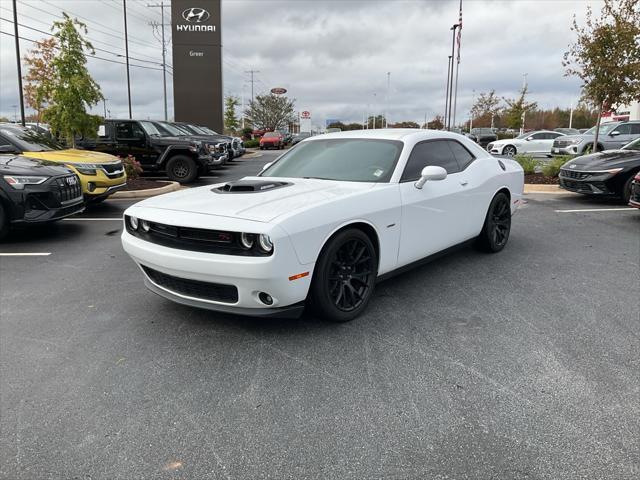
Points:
x=250 y=186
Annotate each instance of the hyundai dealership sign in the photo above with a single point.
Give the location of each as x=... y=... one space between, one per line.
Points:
x=197 y=62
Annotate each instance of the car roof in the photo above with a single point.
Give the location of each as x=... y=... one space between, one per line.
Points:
x=388 y=134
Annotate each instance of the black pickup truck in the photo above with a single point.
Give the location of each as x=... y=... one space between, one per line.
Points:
x=183 y=159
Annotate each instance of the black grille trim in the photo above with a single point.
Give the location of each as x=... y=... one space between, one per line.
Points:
x=66 y=192
x=196 y=239
x=214 y=292
x=578 y=175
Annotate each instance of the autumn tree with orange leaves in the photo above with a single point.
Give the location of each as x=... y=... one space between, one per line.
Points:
x=40 y=68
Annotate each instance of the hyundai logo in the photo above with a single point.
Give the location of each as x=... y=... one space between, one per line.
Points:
x=195 y=15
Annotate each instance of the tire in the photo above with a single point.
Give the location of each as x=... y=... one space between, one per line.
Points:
x=4 y=222
x=497 y=225
x=626 y=190
x=509 y=151
x=344 y=277
x=182 y=169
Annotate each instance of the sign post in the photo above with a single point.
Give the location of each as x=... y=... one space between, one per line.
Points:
x=197 y=62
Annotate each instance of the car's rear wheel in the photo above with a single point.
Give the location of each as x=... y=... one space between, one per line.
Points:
x=4 y=222
x=344 y=276
x=509 y=151
x=497 y=225
x=626 y=190
x=182 y=169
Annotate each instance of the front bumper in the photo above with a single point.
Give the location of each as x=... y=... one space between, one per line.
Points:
x=567 y=150
x=587 y=187
x=249 y=275
x=46 y=202
x=104 y=192
x=216 y=160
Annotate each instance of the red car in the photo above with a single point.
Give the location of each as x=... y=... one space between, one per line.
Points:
x=634 y=199
x=271 y=140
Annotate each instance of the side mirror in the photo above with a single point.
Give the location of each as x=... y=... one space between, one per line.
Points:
x=430 y=172
x=615 y=133
x=266 y=165
x=528 y=139
x=8 y=149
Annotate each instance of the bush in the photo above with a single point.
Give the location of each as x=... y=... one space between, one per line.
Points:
x=132 y=167
x=505 y=135
x=552 y=169
x=251 y=143
x=246 y=132
x=528 y=163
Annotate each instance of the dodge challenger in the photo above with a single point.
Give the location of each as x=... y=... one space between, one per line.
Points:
x=321 y=224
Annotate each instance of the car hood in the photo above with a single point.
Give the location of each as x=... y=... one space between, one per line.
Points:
x=211 y=138
x=606 y=159
x=73 y=156
x=263 y=206
x=576 y=137
x=182 y=140
x=20 y=165
x=507 y=141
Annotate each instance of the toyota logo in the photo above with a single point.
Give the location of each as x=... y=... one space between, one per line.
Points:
x=196 y=15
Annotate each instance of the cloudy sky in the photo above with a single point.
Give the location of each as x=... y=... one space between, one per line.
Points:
x=332 y=55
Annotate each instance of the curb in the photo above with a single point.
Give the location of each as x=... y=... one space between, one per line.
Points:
x=250 y=154
x=541 y=188
x=150 y=192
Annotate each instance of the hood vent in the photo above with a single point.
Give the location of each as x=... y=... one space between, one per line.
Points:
x=250 y=186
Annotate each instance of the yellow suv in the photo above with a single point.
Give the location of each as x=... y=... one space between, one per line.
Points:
x=100 y=174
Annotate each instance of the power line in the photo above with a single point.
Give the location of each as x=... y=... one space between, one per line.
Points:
x=86 y=54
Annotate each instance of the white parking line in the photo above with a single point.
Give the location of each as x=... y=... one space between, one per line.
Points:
x=24 y=254
x=89 y=219
x=623 y=209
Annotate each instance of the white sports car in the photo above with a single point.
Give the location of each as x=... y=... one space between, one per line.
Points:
x=323 y=222
x=538 y=143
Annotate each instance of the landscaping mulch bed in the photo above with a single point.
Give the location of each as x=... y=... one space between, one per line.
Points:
x=540 y=179
x=142 y=184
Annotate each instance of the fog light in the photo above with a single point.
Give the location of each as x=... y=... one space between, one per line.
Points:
x=145 y=225
x=265 y=298
x=133 y=223
x=91 y=186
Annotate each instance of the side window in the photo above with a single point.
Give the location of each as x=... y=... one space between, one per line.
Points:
x=539 y=136
x=553 y=136
x=624 y=129
x=124 y=130
x=435 y=152
x=461 y=154
x=137 y=130
x=635 y=128
x=4 y=142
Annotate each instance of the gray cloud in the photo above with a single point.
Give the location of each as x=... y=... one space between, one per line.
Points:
x=333 y=56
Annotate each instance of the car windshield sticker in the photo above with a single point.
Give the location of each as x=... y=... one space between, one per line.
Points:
x=378 y=172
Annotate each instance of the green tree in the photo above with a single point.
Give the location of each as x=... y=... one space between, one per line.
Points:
x=375 y=122
x=606 y=56
x=405 y=124
x=71 y=88
x=517 y=109
x=436 y=123
x=230 y=120
x=487 y=106
x=270 y=112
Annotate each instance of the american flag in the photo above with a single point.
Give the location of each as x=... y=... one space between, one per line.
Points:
x=459 y=30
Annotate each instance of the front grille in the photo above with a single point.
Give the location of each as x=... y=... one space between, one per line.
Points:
x=68 y=188
x=576 y=186
x=215 y=292
x=561 y=143
x=578 y=175
x=196 y=239
x=113 y=170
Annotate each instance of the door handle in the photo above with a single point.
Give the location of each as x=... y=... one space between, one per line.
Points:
x=464 y=183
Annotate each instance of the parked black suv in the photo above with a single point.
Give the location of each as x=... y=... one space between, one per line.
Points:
x=182 y=158
x=36 y=191
x=483 y=136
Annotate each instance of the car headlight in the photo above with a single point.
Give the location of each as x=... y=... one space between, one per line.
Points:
x=133 y=223
x=195 y=146
x=19 y=181
x=85 y=168
x=146 y=226
x=265 y=243
x=247 y=240
x=575 y=141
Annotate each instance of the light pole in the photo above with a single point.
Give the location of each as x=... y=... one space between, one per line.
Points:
x=126 y=52
x=164 y=53
x=453 y=48
x=386 y=101
x=446 y=97
x=104 y=106
x=524 y=112
x=15 y=32
x=374 y=110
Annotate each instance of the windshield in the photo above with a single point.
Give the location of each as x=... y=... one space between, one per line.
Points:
x=523 y=136
x=635 y=145
x=168 y=130
x=604 y=129
x=30 y=140
x=196 y=130
x=271 y=135
x=150 y=129
x=348 y=159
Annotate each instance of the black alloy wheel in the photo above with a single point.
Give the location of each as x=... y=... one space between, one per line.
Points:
x=345 y=276
x=182 y=169
x=4 y=222
x=497 y=225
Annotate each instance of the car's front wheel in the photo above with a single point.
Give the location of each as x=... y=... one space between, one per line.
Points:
x=182 y=169
x=626 y=190
x=509 y=151
x=344 y=276
x=497 y=225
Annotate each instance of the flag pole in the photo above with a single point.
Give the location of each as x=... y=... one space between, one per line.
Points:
x=455 y=95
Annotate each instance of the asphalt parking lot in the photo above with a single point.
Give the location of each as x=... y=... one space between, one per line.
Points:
x=519 y=365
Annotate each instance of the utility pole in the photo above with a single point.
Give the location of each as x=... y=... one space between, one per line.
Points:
x=386 y=101
x=15 y=33
x=473 y=101
x=104 y=106
x=164 y=54
x=524 y=112
x=126 y=52
x=453 y=47
x=252 y=80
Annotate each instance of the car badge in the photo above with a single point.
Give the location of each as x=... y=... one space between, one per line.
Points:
x=572 y=166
